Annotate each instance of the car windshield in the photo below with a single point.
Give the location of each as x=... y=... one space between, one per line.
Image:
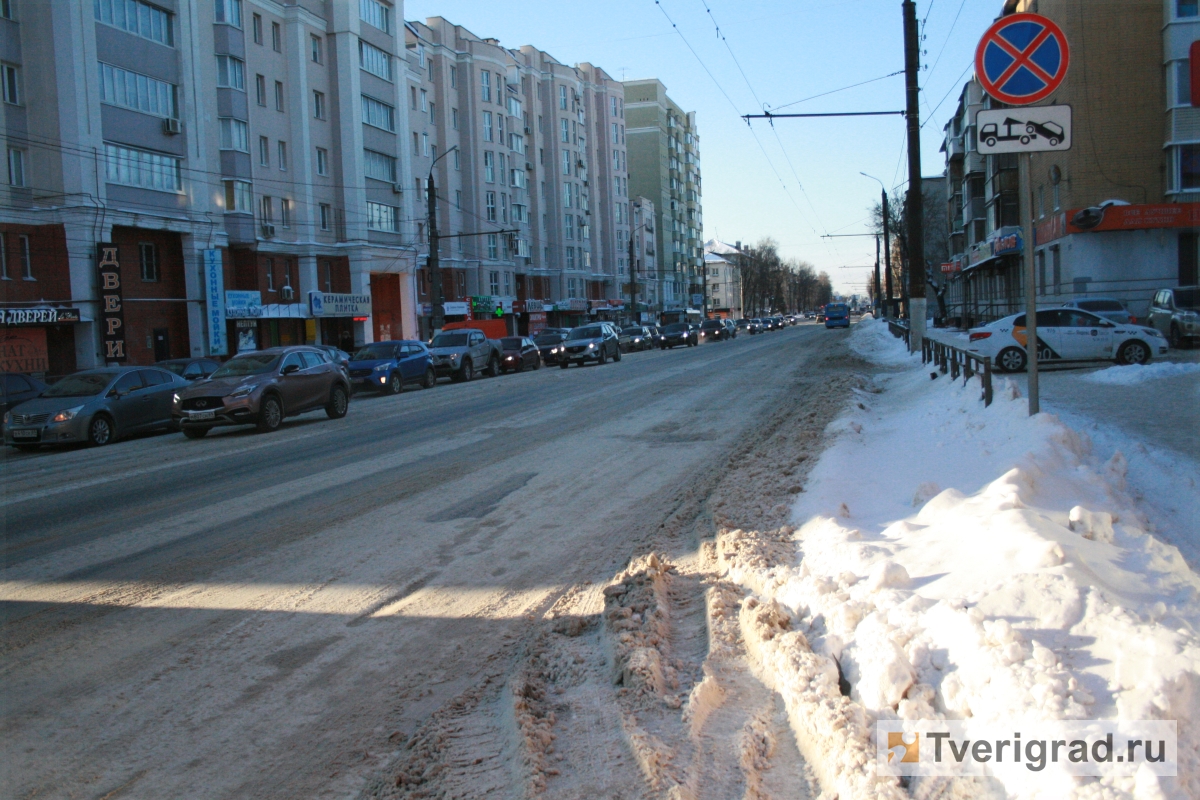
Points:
x=1188 y=298
x=450 y=340
x=676 y=327
x=83 y=384
x=255 y=364
x=1101 y=305
x=375 y=352
x=585 y=333
x=712 y=323
x=512 y=342
x=172 y=366
x=632 y=331
x=549 y=338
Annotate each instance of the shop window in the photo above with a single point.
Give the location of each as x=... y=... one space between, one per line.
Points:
x=494 y=283
x=148 y=256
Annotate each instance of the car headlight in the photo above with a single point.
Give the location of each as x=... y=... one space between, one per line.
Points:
x=592 y=346
x=175 y=398
x=6 y=418
x=381 y=367
x=553 y=350
x=241 y=391
x=63 y=416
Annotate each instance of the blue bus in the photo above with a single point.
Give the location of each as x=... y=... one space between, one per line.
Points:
x=837 y=315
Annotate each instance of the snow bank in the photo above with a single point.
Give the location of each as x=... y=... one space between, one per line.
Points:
x=1133 y=374
x=956 y=561
x=873 y=341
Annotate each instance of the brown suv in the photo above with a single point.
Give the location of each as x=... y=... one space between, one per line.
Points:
x=261 y=388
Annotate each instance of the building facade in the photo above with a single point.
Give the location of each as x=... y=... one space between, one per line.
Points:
x=664 y=153
x=722 y=264
x=1114 y=216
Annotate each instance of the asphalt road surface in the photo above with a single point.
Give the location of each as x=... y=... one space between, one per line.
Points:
x=237 y=616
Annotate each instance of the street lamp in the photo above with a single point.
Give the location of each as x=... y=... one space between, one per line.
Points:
x=438 y=308
x=887 y=245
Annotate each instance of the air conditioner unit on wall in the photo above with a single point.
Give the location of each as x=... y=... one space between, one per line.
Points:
x=286 y=293
x=268 y=231
x=397 y=188
x=171 y=126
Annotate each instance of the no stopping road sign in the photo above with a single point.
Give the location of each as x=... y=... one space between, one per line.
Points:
x=1022 y=59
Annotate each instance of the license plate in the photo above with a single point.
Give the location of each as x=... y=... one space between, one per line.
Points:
x=25 y=434
x=203 y=415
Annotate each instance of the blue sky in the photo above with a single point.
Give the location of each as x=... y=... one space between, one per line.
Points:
x=807 y=181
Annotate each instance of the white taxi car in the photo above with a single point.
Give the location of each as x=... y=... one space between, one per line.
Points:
x=1065 y=334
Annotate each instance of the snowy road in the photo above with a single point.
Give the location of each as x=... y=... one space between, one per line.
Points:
x=272 y=616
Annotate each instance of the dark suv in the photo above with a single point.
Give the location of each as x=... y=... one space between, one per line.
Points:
x=678 y=333
x=261 y=388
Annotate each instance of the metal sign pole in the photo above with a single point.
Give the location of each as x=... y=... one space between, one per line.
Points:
x=1025 y=176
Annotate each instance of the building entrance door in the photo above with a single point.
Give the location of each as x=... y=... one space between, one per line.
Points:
x=162 y=344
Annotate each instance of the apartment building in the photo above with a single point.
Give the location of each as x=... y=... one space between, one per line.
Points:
x=639 y=271
x=722 y=264
x=664 y=150
x=229 y=158
x=1114 y=215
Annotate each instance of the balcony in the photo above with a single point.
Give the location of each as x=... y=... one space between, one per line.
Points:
x=955 y=148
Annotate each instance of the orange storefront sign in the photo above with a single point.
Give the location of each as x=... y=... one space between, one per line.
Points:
x=1132 y=218
x=23 y=350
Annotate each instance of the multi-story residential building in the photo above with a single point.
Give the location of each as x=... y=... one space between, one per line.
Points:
x=242 y=160
x=538 y=181
x=724 y=277
x=641 y=264
x=1114 y=215
x=664 y=150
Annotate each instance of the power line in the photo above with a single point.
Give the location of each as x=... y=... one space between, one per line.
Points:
x=948 y=33
x=835 y=91
x=953 y=86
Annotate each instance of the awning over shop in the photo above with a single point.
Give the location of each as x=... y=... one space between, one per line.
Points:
x=41 y=315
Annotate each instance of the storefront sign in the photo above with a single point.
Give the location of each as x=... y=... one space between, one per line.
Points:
x=951 y=267
x=573 y=304
x=247 y=335
x=1006 y=244
x=40 y=315
x=214 y=290
x=537 y=322
x=243 y=305
x=24 y=351
x=533 y=306
x=1131 y=218
x=328 y=304
x=112 y=312
x=1051 y=228
x=458 y=308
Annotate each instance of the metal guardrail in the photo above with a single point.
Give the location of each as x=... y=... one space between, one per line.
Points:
x=951 y=359
x=900 y=331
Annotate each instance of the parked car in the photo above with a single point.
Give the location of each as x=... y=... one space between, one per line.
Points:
x=550 y=346
x=745 y=324
x=595 y=342
x=96 y=407
x=336 y=355
x=519 y=353
x=656 y=335
x=679 y=333
x=16 y=388
x=461 y=353
x=1112 y=310
x=636 y=337
x=714 y=330
x=387 y=367
x=1175 y=313
x=1065 y=334
x=262 y=388
x=837 y=315
x=190 y=369
x=563 y=331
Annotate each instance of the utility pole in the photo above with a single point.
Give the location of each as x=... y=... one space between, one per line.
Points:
x=889 y=310
x=633 y=281
x=878 y=299
x=916 y=234
x=438 y=306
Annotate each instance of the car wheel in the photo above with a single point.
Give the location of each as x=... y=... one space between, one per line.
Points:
x=617 y=355
x=339 y=402
x=1175 y=339
x=101 y=431
x=1133 y=352
x=28 y=448
x=538 y=363
x=196 y=432
x=602 y=359
x=467 y=372
x=394 y=385
x=430 y=379
x=493 y=367
x=1011 y=359
x=270 y=415
x=521 y=364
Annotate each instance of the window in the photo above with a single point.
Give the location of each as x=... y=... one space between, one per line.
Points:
x=504 y=208
x=260 y=90
x=281 y=154
x=1186 y=8
x=485 y=86
x=148 y=257
x=375 y=13
x=374 y=60
x=458 y=198
x=378 y=114
x=453 y=77
x=26 y=258
x=228 y=11
x=256 y=27
x=571 y=265
x=238 y=196
x=328 y=265
x=518 y=178
x=141 y=168
x=230 y=73
x=564 y=130
x=1186 y=168
x=491 y=206
x=138 y=18
x=285 y=212
x=10 y=76
x=267 y=209
x=326 y=214
x=1179 y=83
x=487 y=126
x=276 y=37
x=456 y=164
x=424 y=100
x=322 y=161
x=493 y=280
x=270 y=262
x=120 y=87
x=454 y=118
x=379 y=166
x=235 y=134
x=562 y=97
x=514 y=107
x=566 y=194
x=612 y=103
x=493 y=248
x=382 y=217
x=316 y=48
x=489 y=166
x=569 y=226
x=279 y=95
x=3 y=244
x=566 y=162
x=319 y=105
x=264 y=151
x=16 y=167
x=425 y=144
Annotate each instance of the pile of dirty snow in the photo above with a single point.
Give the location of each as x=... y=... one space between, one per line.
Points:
x=874 y=342
x=962 y=562
x=1131 y=374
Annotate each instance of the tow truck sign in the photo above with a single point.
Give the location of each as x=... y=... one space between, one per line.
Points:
x=1035 y=129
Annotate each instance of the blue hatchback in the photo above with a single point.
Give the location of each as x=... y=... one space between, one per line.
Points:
x=837 y=315
x=387 y=367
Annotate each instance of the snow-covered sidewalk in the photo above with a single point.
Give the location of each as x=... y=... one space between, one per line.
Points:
x=951 y=561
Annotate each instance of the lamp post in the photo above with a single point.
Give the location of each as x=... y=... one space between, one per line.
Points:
x=887 y=246
x=438 y=308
